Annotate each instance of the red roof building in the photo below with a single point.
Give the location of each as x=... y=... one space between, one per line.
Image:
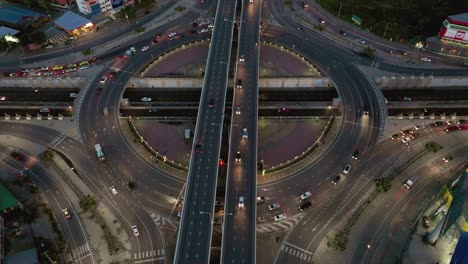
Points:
x=455 y=29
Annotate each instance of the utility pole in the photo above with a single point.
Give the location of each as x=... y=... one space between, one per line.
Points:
x=385 y=31
x=339 y=10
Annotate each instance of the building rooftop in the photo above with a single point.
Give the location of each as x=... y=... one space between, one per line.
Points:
x=16 y=15
x=7 y=31
x=70 y=21
x=7 y=200
x=459 y=18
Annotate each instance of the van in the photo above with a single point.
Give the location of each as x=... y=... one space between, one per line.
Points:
x=241 y=201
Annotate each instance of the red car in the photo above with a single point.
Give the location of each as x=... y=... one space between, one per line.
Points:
x=450 y=128
x=463 y=127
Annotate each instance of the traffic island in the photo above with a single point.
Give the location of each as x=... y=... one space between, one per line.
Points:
x=304 y=159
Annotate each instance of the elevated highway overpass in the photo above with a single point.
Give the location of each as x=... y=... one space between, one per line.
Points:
x=384 y=82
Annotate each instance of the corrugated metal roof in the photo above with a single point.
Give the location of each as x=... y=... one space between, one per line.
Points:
x=460 y=17
x=70 y=21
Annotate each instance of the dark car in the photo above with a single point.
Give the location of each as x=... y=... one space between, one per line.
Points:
x=305 y=206
x=450 y=128
x=99 y=90
x=343 y=33
x=439 y=123
x=131 y=185
x=211 y=103
x=198 y=148
x=300 y=29
x=16 y=155
x=336 y=180
x=402 y=52
x=365 y=110
x=355 y=155
x=389 y=51
x=425 y=221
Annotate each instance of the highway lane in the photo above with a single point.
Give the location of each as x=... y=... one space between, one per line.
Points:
x=124 y=206
x=357 y=95
x=432 y=171
x=57 y=198
x=239 y=226
x=194 y=238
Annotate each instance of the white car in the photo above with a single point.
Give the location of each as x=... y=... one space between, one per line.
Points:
x=145 y=48
x=426 y=59
x=241 y=201
x=2 y=98
x=305 y=195
x=274 y=206
x=211 y=25
x=361 y=41
x=241 y=59
x=203 y=30
x=73 y=95
x=146 y=99
x=135 y=230
x=346 y=169
x=172 y=34
x=244 y=133
x=114 y=190
x=405 y=140
x=280 y=217
x=103 y=80
x=238 y=112
x=418 y=126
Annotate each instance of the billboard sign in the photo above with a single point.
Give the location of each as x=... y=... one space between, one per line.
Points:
x=356 y=20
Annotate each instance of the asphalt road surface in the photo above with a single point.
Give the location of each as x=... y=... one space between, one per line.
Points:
x=239 y=239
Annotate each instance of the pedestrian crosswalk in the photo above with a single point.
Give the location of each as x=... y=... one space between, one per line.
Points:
x=83 y=249
x=284 y=225
x=156 y=253
x=57 y=140
x=61 y=37
x=297 y=252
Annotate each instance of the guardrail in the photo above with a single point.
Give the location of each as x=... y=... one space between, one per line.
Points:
x=155 y=153
x=305 y=153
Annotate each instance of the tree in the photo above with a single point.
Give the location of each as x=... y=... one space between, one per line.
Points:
x=48 y=155
x=383 y=184
x=369 y=52
x=319 y=27
x=432 y=146
x=27 y=3
x=179 y=9
x=87 y=203
x=37 y=37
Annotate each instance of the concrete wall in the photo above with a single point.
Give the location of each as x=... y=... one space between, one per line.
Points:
x=43 y=82
x=180 y=82
x=420 y=82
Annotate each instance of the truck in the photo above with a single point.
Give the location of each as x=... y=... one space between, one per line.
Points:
x=410 y=182
x=99 y=152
